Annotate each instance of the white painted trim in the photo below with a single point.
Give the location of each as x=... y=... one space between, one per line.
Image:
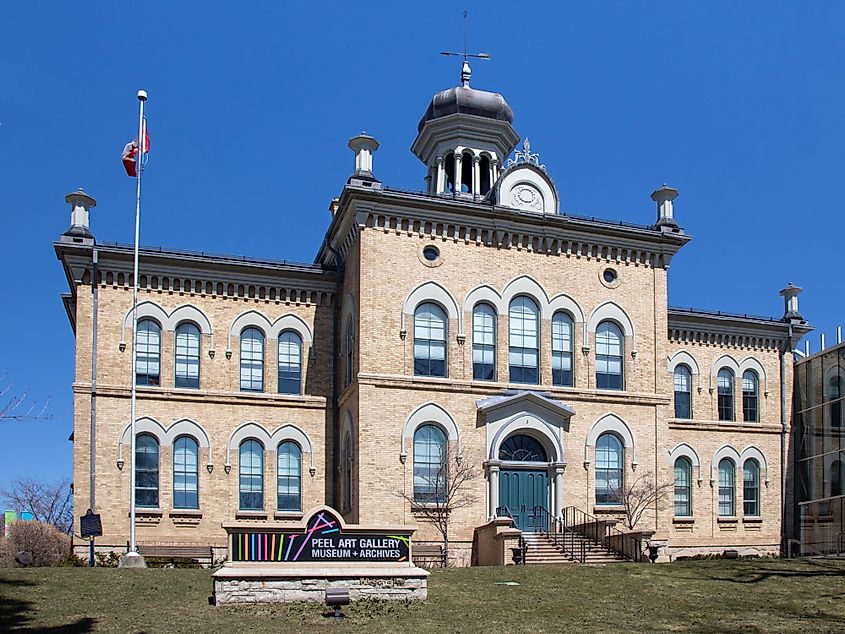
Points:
x=613 y=312
x=166 y=437
x=750 y=363
x=610 y=423
x=725 y=452
x=429 y=292
x=429 y=413
x=526 y=285
x=289 y=431
x=684 y=450
x=530 y=425
x=683 y=358
x=725 y=361
x=755 y=453
x=294 y=323
x=480 y=294
x=151 y=310
x=250 y=429
x=255 y=319
x=568 y=305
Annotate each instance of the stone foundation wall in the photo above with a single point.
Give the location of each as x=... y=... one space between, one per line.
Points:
x=269 y=590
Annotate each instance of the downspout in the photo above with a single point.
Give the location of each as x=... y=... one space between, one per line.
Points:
x=783 y=437
x=92 y=445
x=335 y=381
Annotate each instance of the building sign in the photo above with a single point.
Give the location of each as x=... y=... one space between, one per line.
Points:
x=322 y=540
x=90 y=525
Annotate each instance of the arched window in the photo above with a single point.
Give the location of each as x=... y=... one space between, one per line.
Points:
x=726 y=487
x=523 y=333
x=751 y=488
x=484 y=169
x=347 y=472
x=836 y=477
x=148 y=359
x=430 y=327
x=146 y=471
x=725 y=385
x=187 y=355
x=609 y=354
x=185 y=473
x=483 y=343
x=835 y=397
x=522 y=448
x=750 y=399
x=251 y=475
x=430 y=451
x=562 y=328
x=610 y=462
x=252 y=360
x=289 y=477
x=290 y=363
x=350 y=351
x=683 y=392
x=683 y=487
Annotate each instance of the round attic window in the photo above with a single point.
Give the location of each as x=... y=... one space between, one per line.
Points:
x=610 y=278
x=431 y=253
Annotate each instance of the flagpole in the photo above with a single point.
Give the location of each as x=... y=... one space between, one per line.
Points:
x=139 y=169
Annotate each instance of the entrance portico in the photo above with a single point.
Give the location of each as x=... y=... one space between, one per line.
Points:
x=525 y=453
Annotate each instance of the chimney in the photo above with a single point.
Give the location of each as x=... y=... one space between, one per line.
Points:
x=790 y=302
x=363 y=145
x=664 y=197
x=80 y=207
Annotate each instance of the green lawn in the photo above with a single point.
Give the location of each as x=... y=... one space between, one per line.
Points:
x=700 y=596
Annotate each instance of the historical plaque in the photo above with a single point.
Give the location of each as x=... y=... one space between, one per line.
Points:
x=90 y=525
x=322 y=540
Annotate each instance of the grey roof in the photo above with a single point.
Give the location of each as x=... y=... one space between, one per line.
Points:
x=541 y=399
x=466 y=100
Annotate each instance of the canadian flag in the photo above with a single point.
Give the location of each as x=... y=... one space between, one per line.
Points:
x=130 y=151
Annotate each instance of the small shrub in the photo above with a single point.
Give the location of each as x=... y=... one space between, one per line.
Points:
x=72 y=561
x=48 y=545
x=108 y=559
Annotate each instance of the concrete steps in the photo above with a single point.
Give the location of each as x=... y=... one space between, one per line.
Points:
x=542 y=550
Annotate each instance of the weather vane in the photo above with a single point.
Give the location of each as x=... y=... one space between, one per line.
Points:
x=465 y=70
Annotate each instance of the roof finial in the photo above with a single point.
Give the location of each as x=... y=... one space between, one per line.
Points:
x=466 y=71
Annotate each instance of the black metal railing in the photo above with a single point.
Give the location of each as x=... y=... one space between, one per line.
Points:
x=568 y=541
x=627 y=545
x=504 y=511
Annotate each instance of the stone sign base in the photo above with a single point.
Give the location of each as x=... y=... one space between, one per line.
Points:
x=234 y=584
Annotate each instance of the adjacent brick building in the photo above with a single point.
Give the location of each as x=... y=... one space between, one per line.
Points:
x=534 y=344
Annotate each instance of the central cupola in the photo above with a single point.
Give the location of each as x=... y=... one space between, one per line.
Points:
x=463 y=139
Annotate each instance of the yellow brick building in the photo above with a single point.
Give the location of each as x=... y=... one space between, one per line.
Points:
x=472 y=325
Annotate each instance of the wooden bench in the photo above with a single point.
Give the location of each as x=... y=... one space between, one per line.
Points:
x=428 y=556
x=199 y=554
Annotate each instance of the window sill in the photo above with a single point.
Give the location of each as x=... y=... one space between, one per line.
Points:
x=684 y=519
x=288 y=515
x=150 y=512
x=727 y=520
x=251 y=515
x=421 y=507
x=148 y=516
x=609 y=508
x=184 y=513
x=752 y=520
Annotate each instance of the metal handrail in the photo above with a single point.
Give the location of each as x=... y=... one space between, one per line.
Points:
x=504 y=511
x=570 y=543
x=628 y=546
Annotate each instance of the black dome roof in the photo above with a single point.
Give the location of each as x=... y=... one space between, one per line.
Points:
x=466 y=100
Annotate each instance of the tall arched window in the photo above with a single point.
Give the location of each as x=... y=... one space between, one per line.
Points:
x=683 y=392
x=610 y=463
x=347 y=472
x=751 y=488
x=430 y=451
x=187 y=355
x=609 y=356
x=523 y=334
x=185 y=473
x=148 y=359
x=251 y=476
x=350 y=352
x=837 y=472
x=146 y=471
x=290 y=363
x=289 y=477
x=725 y=386
x=683 y=487
x=430 y=327
x=562 y=329
x=483 y=343
x=835 y=396
x=252 y=360
x=750 y=396
x=727 y=495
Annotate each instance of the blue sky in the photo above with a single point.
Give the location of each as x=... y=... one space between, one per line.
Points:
x=737 y=104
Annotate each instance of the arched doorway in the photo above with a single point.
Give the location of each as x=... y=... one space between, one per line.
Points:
x=523 y=479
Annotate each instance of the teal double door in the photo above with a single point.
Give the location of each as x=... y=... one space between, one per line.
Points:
x=520 y=490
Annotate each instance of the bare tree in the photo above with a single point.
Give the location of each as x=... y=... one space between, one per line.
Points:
x=439 y=492
x=640 y=495
x=14 y=405
x=48 y=503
